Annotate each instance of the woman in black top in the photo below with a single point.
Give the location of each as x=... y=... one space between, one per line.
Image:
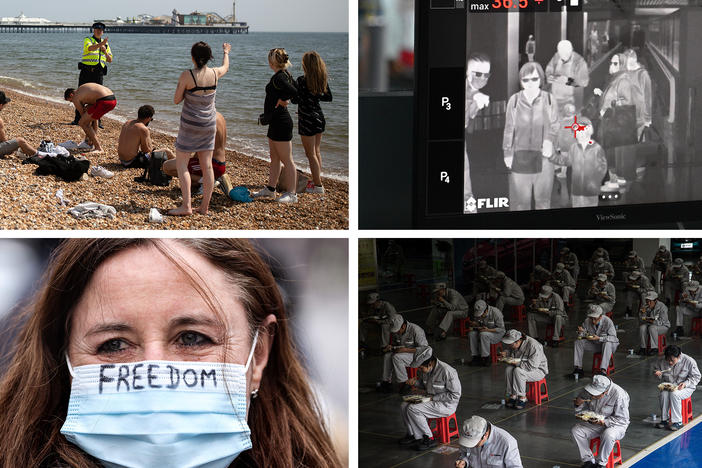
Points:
x=279 y=90
x=312 y=88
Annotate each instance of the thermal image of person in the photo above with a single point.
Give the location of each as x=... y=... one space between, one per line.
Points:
x=566 y=72
x=477 y=74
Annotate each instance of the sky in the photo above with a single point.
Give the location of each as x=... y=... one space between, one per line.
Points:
x=262 y=15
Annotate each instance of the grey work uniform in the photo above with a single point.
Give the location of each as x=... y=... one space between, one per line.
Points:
x=605 y=268
x=484 y=278
x=563 y=283
x=607 y=303
x=510 y=294
x=635 y=290
x=454 y=308
x=442 y=384
x=394 y=363
x=607 y=344
x=499 y=450
x=532 y=368
x=687 y=308
x=661 y=262
x=660 y=324
x=696 y=271
x=480 y=341
x=385 y=310
x=614 y=406
x=570 y=260
x=675 y=280
x=631 y=264
x=556 y=315
x=685 y=370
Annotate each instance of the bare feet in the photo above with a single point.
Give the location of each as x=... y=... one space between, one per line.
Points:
x=201 y=210
x=180 y=211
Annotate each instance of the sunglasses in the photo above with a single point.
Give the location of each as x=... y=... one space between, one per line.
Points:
x=530 y=79
x=614 y=63
x=481 y=74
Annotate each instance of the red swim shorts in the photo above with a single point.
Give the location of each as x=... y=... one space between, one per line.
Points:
x=100 y=108
x=194 y=167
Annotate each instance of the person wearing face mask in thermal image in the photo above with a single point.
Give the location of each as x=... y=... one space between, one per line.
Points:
x=477 y=74
x=568 y=76
x=589 y=166
x=531 y=125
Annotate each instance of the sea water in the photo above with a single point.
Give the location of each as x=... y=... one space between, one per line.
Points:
x=146 y=68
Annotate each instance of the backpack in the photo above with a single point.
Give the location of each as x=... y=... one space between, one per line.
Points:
x=153 y=173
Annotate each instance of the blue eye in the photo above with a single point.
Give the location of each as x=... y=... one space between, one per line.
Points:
x=191 y=338
x=111 y=346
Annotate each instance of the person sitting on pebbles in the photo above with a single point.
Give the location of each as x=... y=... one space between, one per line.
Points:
x=10 y=146
x=135 y=146
x=92 y=101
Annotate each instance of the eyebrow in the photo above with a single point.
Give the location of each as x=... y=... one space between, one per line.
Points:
x=193 y=320
x=108 y=328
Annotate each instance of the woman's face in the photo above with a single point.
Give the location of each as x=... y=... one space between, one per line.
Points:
x=138 y=306
x=614 y=65
x=531 y=81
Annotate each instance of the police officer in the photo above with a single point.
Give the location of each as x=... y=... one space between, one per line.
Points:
x=653 y=318
x=604 y=397
x=562 y=282
x=690 y=304
x=484 y=445
x=380 y=313
x=676 y=278
x=596 y=334
x=488 y=327
x=635 y=289
x=602 y=293
x=440 y=383
x=448 y=305
x=532 y=367
x=682 y=371
x=397 y=358
x=504 y=291
x=96 y=55
x=547 y=308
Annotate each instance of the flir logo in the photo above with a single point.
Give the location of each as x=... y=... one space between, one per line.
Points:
x=472 y=204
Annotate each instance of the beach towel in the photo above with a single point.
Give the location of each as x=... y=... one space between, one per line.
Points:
x=92 y=210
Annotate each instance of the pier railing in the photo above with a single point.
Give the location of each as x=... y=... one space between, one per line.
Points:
x=127 y=28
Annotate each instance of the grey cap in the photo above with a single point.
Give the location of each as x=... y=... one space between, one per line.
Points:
x=635 y=274
x=539 y=267
x=396 y=323
x=546 y=291
x=632 y=254
x=472 y=431
x=651 y=296
x=438 y=286
x=565 y=250
x=500 y=275
x=372 y=297
x=662 y=248
x=599 y=260
x=693 y=285
x=560 y=266
x=420 y=355
x=598 y=386
x=678 y=262
x=594 y=311
x=511 y=336
x=479 y=307
x=602 y=277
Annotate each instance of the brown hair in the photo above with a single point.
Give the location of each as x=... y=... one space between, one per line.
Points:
x=531 y=67
x=315 y=72
x=279 y=58
x=287 y=429
x=201 y=53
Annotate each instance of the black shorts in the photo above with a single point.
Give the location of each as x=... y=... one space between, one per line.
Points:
x=281 y=127
x=140 y=161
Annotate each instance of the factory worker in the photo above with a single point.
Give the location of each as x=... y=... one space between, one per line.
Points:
x=447 y=305
x=635 y=289
x=676 y=278
x=437 y=380
x=505 y=291
x=653 y=321
x=602 y=266
x=484 y=445
x=690 y=304
x=633 y=263
x=484 y=277
x=562 y=282
x=681 y=370
x=596 y=334
x=570 y=260
x=547 y=308
x=396 y=358
x=379 y=313
x=602 y=293
x=661 y=261
x=532 y=368
x=487 y=327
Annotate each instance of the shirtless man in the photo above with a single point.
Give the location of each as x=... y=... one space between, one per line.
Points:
x=135 y=146
x=218 y=157
x=92 y=101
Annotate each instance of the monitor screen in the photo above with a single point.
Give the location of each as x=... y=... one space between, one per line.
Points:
x=573 y=113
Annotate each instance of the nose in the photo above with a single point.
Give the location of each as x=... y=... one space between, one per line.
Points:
x=156 y=351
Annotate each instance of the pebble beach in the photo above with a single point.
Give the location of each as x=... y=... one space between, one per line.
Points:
x=29 y=202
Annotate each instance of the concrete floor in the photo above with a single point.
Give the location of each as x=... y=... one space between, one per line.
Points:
x=543 y=432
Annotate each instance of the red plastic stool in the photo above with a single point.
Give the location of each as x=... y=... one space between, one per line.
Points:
x=443 y=428
x=535 y=392
x=662 y=343
x=571 y=300
x=549 y=333
x=686 y=410
x=519 y=313
x=494 y=350
x=614 y=457
x=411 y=372
x=609 y=314
x=597 y=361
x=696 y=326
x=463 y=326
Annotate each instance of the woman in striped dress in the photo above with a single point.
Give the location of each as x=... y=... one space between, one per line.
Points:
x=198 y=123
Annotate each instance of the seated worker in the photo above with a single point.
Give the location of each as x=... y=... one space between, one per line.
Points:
x=10 y=146
x=484 y=276
x=484 y=445
x=219 y=157
x=448 y=305
x=661 y=261
x=602 y=293
x=134 y=147
x=596 y=334
x=537 y=278
x=570 y=260
x=562 y=282
x=589 y=164
x=602 y=266
x=487 y=327
x=384 y=311
x=504 y=291
x=396 y=358
x=633 y=263
x=696 y=270
x=440 y=383
x=92 y=101
x=600 y=252
x=532 y=368
x=676 y=277
x=682 y=371
x=690 y=304
x=604 y=397
x=635 y=289
x=653 y=319
x=547 y=308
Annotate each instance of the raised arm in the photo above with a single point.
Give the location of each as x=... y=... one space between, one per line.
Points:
x=221 y=71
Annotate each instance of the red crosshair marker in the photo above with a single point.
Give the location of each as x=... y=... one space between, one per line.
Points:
x=575 y=126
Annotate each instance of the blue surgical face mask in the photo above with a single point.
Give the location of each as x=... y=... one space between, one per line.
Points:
x=160 y=413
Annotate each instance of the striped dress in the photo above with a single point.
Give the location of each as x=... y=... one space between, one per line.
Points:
x=198 y=123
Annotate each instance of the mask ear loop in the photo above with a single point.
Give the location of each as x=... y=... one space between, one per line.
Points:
x=251 y=353
x=70 y=367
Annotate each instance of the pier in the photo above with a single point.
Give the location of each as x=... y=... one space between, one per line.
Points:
x=237 y=28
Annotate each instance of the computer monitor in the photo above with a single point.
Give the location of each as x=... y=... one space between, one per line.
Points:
x=557 y=113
